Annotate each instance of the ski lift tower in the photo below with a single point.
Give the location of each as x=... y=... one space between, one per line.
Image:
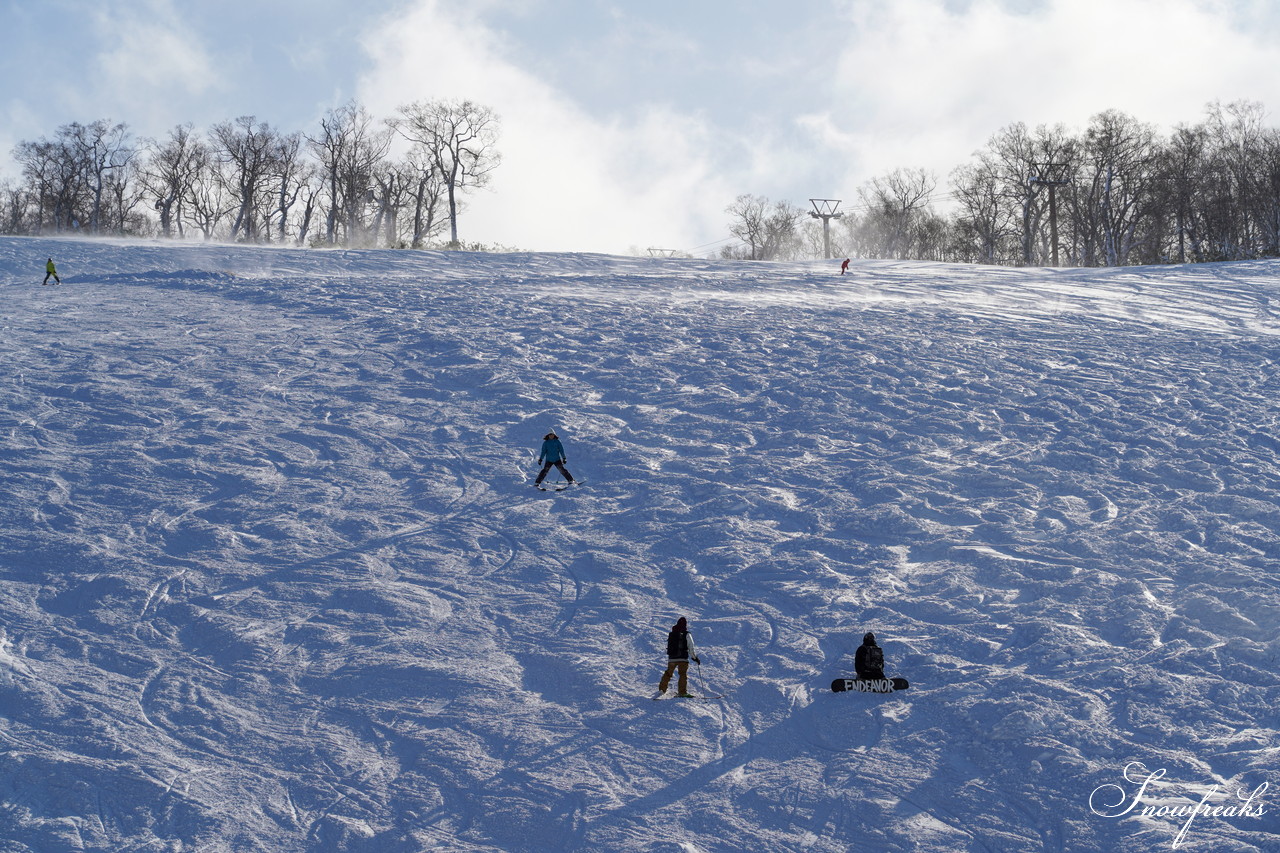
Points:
x=1051 y=175
x=826 y=210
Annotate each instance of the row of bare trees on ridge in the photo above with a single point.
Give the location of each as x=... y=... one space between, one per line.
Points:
x=1117 y=193
x=244 y=180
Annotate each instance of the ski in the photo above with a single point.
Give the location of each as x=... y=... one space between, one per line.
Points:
x=691 y=696
x=560 y=487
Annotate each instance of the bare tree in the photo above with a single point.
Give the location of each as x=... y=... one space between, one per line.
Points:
x=40 y=171
x=309 y=194
x=1009 y=161
x=350 y=149
x=330 y=146
x=98 y=149
x=288 y=176
x=14 y=203
x=426 y=190
x=896 y=203
x=390 y=195
x=246 y=149
x=57 y=177
x=208 y=203
x=459 y=140
x=1113 y=186
x=1240 y=174
x=1181 y=172
x=1014 y=159
x=766 y=228
x=1269 y=196
x=750 y=215
x=986 y=212
x=170 y=173
x=124 y=193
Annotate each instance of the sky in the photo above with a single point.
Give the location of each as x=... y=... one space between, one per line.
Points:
x=626 y=126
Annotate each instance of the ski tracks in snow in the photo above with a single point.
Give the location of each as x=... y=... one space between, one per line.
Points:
x=272 y=583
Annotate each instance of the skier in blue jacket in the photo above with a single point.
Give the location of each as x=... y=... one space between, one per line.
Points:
x=552 y=454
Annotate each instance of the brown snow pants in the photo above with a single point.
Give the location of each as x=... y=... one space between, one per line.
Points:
x=682 y=685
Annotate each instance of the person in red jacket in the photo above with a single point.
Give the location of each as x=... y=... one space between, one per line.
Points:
x=844 y=268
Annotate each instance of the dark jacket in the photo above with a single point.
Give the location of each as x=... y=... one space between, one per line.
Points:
x=869 y=660
x=680 y=646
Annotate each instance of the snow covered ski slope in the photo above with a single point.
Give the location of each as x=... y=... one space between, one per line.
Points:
x=274 y=575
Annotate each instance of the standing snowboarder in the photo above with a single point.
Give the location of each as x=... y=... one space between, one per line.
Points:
x=869 y=659
x=679 y=653
x=552 y=454
x=844 y=268
x=51 y=270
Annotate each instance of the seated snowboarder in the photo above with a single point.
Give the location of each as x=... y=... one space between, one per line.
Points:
x=869 y=659
x=552 y=454
x=679 y=653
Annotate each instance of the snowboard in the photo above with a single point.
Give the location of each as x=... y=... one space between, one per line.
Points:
x=869 y=685
x=673 y=696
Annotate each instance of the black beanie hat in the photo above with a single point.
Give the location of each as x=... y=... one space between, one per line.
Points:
x=868 y=639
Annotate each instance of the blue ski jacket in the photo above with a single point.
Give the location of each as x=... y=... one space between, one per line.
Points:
x=552 y=451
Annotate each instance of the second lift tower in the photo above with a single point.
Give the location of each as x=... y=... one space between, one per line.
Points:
x=826 y=210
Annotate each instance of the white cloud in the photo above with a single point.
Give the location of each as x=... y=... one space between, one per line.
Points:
x=915 y=83
x=568 y=180
x=153 y=65
x=926 y=82
x=136 y=63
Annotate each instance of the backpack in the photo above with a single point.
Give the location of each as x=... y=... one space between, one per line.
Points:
x=875 y=658
x=678 y=645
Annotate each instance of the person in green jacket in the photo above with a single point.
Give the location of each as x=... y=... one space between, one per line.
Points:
x=51 y=270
